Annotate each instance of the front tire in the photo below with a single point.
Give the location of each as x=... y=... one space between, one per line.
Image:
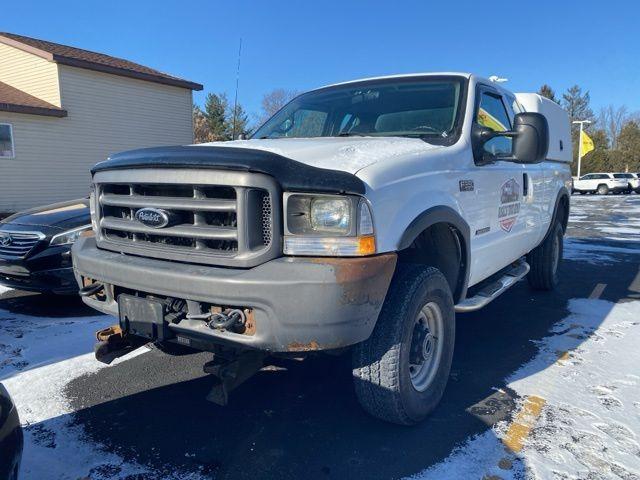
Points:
x=545 y=260
x=401 y=371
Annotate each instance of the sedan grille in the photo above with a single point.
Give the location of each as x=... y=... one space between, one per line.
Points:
x=224 y=218
x=18 y=244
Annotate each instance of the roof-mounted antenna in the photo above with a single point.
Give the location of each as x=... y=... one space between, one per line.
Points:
x=235 y=101
x=497 y=79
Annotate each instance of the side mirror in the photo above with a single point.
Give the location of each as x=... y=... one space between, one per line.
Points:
x=530 y=140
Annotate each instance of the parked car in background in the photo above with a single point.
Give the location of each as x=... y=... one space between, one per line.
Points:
x=633 y=182
x=600 y=183
x=35 y=247
x=10 y=437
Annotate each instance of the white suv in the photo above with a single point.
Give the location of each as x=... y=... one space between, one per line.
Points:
x=600 y=183
x=633 y=182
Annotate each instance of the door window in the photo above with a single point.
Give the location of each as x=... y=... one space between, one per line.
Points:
x=493 y=114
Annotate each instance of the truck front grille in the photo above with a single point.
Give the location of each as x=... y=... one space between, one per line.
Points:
x=18 y=244
x=224 y=218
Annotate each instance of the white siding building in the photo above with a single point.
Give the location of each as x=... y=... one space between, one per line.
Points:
x=63 y=109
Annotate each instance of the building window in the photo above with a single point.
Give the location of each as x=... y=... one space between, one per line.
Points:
x=6 y=141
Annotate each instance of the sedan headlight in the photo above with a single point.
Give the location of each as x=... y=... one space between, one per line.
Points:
x=70 y=236
x=328 y=225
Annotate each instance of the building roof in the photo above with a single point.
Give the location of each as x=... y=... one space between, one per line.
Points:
x=14 y=100
x=77 y=57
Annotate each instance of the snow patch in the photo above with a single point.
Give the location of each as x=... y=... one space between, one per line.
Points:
x=590 y=434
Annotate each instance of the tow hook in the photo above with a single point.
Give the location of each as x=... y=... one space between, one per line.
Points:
x=114 y=343
x=91 y=289
x=221 y=320
x=229 y=374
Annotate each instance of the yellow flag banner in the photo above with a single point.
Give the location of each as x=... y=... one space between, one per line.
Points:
x=586 y=144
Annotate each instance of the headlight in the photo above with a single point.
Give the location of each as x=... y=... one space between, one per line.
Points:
x=70 y=236
x=328 y=225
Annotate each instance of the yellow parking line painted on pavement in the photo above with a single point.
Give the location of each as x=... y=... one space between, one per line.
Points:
x=597 y=291
x=523 y=422
x=563 y=356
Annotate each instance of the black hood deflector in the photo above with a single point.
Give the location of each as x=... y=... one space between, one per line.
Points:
x=292 y=175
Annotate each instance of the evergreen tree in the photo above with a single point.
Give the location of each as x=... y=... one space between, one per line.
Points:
x=629 y=145
x=547 y=91
x=237 y=123
x=577 y=106
x=215 y=111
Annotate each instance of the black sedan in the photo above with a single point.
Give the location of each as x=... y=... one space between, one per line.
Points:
x=10 y=437
x=35 y=247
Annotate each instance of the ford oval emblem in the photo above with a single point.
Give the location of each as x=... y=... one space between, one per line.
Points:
x=153 y=217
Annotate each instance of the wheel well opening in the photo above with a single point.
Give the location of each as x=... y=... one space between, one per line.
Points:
x=439 y=246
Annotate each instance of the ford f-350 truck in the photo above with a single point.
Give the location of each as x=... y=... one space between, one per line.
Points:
x=362 y=216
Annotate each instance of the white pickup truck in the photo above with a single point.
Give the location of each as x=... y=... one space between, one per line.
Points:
x=362 y=216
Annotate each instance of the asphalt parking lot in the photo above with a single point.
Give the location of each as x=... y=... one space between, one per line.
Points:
x=300 y=419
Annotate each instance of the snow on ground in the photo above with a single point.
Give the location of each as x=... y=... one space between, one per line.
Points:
x=591 y=433
x=38 y=357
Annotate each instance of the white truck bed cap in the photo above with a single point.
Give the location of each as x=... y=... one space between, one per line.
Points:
x=560 y=148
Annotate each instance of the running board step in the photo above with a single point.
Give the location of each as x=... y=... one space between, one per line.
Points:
x=493 y=290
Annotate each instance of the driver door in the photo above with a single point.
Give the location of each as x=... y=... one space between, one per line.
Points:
x=502 y=210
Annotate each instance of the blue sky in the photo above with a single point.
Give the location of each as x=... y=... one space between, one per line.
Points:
x=301 y=45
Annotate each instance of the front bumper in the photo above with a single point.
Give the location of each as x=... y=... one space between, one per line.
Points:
x=299 y=304
x=48 y=270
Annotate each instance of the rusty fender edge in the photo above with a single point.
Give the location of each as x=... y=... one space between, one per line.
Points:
x=300 y=304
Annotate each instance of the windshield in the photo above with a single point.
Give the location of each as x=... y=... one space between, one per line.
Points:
x=421 y=108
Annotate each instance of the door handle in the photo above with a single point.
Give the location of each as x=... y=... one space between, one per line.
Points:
x=525 y=185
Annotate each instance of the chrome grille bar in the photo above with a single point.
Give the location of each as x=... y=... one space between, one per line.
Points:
x=197 y=204
x=204 y=233
x=21 y=243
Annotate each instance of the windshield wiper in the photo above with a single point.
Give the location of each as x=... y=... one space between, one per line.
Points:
x=352 y=134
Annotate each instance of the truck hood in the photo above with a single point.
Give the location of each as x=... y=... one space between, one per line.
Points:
x=335 y=153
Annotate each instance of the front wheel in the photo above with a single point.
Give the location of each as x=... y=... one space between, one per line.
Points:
x=545 y=260
x=401 y=371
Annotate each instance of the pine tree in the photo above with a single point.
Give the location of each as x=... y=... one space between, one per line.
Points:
x=547 y=91
x=237 y=123
x=215 y=111
x=576 y=104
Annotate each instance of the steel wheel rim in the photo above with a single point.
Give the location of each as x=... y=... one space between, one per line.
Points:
x=426 y=346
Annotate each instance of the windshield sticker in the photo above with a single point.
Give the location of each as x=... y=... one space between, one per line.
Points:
x=509 y=208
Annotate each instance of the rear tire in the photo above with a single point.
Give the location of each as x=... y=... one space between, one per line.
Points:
x=545 y=260
x=602 y=190
x=401 y=371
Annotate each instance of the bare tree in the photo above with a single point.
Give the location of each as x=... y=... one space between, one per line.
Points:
x=612 y=119
x=274 y=101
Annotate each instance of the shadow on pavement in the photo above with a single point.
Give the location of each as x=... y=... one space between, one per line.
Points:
x=44 y=305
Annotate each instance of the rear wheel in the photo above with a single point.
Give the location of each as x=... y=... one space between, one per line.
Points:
x=603 y=189
x=401 y=371
x=545 y=260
